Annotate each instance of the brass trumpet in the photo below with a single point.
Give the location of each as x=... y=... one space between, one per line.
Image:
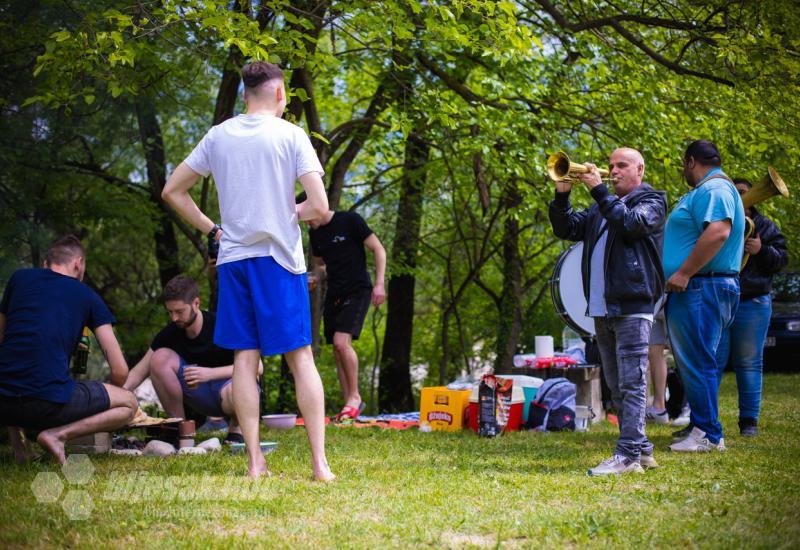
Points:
x=769 y=186
x=560 y=168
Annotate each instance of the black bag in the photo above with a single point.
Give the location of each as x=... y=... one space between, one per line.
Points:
x=553 y=408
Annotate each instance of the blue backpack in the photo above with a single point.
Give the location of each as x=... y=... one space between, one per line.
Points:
x=553 y=408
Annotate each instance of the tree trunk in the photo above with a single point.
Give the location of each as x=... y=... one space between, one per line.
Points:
x=509 y=324
x=394 y=390
x=153 y=144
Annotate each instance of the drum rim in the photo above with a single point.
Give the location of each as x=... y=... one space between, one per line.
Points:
x=555 y=294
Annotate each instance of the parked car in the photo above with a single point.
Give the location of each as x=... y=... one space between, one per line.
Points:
x=782 y=346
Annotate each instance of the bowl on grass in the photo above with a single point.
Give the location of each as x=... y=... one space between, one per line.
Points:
x=266 y=447
x=279 y=421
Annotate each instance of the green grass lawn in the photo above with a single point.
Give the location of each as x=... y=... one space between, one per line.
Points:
x=410 y=489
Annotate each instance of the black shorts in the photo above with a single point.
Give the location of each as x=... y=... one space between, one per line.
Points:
x=346 y=314
x=87 y=399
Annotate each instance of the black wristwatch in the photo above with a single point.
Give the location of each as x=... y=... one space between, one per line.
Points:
x=213 y=233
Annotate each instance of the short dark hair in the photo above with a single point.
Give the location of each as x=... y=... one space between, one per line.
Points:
x=255 y=74
x=181 y=288
x=704 y=152
x=744 y=181
x=64 y=249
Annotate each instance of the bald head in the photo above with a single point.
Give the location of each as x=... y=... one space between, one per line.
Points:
x=630 y=153
x=627 y=170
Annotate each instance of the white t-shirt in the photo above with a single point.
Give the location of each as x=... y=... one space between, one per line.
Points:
x=255 y=160
x=597 y=282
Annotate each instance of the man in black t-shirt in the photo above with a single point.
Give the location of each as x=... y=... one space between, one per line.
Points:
x=337 y=243
x=184 y=364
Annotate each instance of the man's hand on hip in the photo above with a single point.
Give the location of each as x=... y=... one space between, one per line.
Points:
x=677 y=282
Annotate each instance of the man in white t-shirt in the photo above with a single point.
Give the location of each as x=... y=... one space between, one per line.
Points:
x=255 y=159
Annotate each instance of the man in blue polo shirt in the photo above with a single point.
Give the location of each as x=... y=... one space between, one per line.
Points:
x=703 y=243
x=42 y=316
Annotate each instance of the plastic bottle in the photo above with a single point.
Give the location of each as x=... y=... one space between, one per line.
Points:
x=571 y=339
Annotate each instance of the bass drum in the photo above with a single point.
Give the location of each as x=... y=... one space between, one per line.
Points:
x=566 y=290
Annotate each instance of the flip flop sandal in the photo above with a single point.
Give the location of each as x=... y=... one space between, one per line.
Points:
x=349 y=414
x=232 y=438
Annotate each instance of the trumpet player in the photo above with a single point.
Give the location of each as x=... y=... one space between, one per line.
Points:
x=622 y=234
x=745 y=338
x=703 y=244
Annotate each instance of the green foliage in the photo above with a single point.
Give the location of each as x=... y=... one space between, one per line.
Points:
x=492 y=87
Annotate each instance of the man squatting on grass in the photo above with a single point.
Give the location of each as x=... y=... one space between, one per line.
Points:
x=264 y=308
x=337 y=243
x=184 y=364
x=622 y=280
x=42 y=316
x=703 y=244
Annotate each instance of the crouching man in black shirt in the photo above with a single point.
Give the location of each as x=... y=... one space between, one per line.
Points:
x=337 y=243
x=184 y=364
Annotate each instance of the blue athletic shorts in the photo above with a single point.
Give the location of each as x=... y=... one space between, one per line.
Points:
x=206 y=398
x=262 y=306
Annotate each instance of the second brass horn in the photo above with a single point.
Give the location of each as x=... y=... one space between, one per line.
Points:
x=770 y=185
x=559 y=167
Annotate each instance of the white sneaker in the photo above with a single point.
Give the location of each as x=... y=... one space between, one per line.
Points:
x=697 y=442
x=648 y=462
x=654 y=416
x=617 y=464
x=682 y=419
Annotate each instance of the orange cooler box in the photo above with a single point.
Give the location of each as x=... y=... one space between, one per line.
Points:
x=514 y=414
x=443 y=409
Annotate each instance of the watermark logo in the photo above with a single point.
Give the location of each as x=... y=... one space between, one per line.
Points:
x=47 y=487
x=78 y=491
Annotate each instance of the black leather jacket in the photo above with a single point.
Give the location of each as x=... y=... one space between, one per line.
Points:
x=634 y=278
x=756 y=277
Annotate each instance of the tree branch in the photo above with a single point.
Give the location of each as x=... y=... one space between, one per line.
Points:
x=615 y=23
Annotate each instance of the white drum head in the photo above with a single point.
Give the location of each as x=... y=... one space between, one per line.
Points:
x=568 y=283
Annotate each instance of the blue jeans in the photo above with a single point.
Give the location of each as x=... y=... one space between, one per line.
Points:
x=697 y=319
x=623 y=344
x=745 y=340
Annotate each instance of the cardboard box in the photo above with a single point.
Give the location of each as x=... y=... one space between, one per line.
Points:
x=443 y=409
x=89 y=444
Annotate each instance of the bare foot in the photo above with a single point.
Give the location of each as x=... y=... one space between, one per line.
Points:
x=258 y=470
x=255 y=473
x=323 y=473
x=53 y=445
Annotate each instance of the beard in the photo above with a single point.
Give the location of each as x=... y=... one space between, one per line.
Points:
x=183 y=325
